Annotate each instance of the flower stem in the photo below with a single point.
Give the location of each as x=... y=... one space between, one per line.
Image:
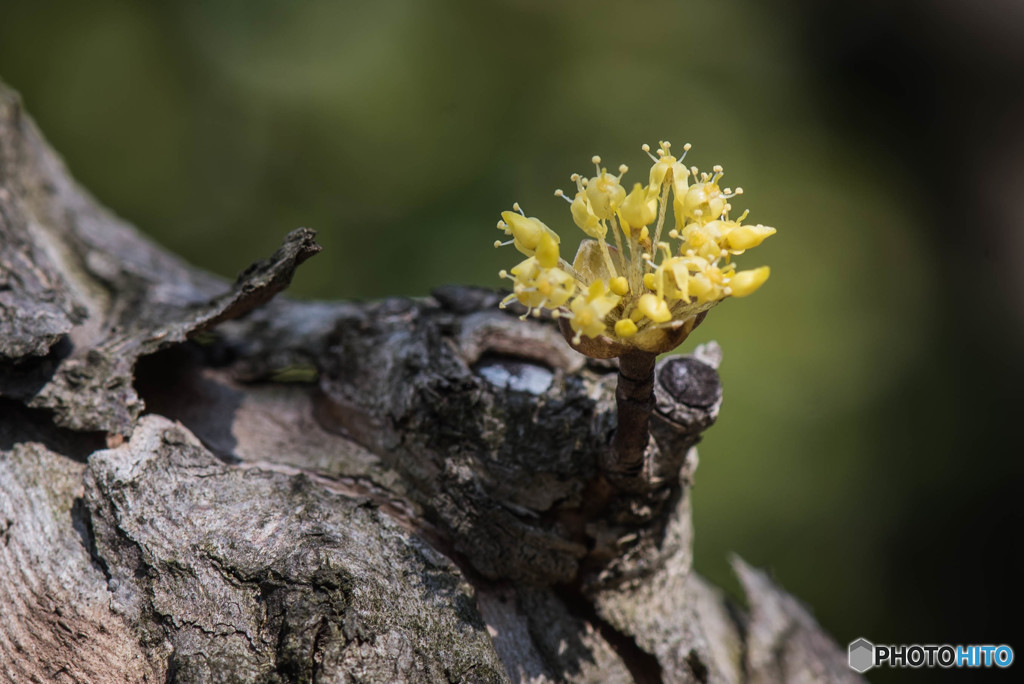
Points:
x=663 y=204
x=618 y=244
x=612 y=273
x=634 y=397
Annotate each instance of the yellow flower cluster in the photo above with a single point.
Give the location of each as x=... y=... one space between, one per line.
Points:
x=640 y=292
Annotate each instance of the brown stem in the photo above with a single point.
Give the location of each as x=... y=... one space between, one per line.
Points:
x=634 y=397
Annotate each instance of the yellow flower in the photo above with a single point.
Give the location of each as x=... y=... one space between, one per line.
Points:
x=589 y=310
x=668 y=169
x=639 y=209
x=525 y=232
x=537 y=287
x=640 y=292
x=585 y=217
x=604 y=191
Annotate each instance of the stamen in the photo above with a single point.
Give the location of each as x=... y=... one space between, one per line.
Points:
x=559 y=193
x=516 y=207
x=622 y=170
x=647 y=148
x=597 y=163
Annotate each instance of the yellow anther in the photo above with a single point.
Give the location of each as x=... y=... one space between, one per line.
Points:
x=625 y=328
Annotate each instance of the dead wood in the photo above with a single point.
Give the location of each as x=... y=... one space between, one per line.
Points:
x=199 y=483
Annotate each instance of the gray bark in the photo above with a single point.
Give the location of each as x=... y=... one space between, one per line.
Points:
x=200 y=484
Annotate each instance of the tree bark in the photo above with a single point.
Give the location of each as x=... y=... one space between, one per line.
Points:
x=199 y=483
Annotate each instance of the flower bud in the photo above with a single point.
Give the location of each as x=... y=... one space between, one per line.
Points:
x=637 y=210
x=745 y=282
x=746 y=237
x=526 y=232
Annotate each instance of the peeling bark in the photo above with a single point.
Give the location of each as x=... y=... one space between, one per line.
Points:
x=200 y=483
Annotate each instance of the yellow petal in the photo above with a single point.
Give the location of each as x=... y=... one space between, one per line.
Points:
x=636 y=210
x=585 y=218
x=746 y=237
x=547 y=251
x=745 y=282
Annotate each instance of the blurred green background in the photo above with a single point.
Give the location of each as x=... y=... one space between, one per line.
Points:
x=869 y=385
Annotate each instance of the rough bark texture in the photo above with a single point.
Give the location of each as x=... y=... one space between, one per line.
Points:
x=404 y=490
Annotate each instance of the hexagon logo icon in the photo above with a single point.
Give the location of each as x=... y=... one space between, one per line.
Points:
x=862 y=655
